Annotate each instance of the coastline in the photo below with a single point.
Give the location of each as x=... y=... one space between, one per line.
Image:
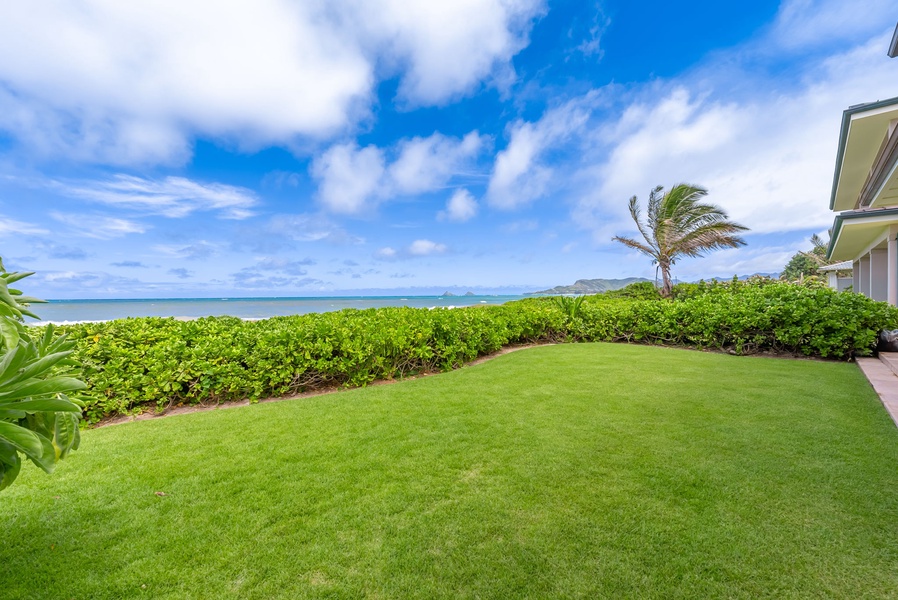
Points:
x=67 y=312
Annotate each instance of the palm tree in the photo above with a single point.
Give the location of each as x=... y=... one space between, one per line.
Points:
x=806 y=264
x=678 y=224
x=819 y=247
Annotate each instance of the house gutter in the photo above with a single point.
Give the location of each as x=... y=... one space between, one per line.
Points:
x=850 y=215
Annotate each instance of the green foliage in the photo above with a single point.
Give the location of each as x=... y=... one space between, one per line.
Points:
x=645 y=290
x=805 y=264
x=38 y=419
x=799 y=266
x=570 y=305
x=132 y=364
x=678 y=224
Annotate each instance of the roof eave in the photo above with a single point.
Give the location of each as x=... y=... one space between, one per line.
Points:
x=851 y=215
x=836 y=229
x=843 y=138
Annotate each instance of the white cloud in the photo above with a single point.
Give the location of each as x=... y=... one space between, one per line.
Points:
x=822 y=22
x=350 y=177
x=58 y=284
x=416 y=249
x=520 y=226
x=353 y=180
x=425 y=248
x=426 y=164
x=283 y=265
x=444 y=49
x=386 y=253
x=521 y=174
x=126 y=83
x=308 y=227
x=171 y=197
x=592 y=42
x=198 y=250
x=741 y=261
x=767 y=157
x=276 y=272
x=98 y=226
x=281 y=179
x=12 y=227
x=460 y=207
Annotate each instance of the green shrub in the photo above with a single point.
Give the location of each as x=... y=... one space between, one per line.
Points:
x=645 y=290
x=130 y=364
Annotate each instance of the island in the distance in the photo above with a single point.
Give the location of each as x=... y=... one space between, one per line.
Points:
x=592 y=286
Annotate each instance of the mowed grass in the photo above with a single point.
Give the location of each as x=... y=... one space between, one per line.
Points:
x=589 y=470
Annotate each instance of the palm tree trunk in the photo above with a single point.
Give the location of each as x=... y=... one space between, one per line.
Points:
x=666 y=286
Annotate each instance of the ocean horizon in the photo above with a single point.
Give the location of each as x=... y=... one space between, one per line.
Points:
x=69 y=311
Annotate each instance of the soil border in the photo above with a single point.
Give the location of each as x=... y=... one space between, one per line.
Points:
x=194 y=408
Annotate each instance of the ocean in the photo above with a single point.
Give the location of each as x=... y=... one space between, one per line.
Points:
x=67 y=311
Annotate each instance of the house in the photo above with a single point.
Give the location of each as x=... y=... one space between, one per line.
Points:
x=865 y=196
x=835 y=275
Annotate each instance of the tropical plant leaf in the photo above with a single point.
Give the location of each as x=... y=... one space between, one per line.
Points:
x=5 y=296
x=10 y=311
x=41 y=405
x=40 y=367
x=14 y=277
x=11 y=362
x=28 y=313
x=68 y=436
x=53 y=385
x=10 y=465
x=10 y=333
x=37 y=419
x=29 y=300
x=21 y=438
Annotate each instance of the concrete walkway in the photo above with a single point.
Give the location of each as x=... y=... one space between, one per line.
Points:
x=882 y=373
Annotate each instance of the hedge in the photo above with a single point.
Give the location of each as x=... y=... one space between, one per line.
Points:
x=134 y=364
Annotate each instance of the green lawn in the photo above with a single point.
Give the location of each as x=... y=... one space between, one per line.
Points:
x=590 y=471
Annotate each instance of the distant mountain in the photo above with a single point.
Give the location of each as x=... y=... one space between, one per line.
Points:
x=592 y=286
x=597 y=286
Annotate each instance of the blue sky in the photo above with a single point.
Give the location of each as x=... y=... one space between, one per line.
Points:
x=279 y=148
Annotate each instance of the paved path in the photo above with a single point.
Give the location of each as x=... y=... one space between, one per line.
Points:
x=882 y=375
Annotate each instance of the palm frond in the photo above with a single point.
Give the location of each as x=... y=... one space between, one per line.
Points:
x=631 y=243
x=637 y=217
x=678 y=223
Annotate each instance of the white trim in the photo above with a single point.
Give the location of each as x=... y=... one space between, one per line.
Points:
x=845 y=265
x=866 y=220
x=862 y=114
x=892 y=269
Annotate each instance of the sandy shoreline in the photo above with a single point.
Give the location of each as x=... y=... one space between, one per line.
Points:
x=41 y=323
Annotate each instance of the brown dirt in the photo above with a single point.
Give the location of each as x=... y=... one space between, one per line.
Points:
x=183 y=410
